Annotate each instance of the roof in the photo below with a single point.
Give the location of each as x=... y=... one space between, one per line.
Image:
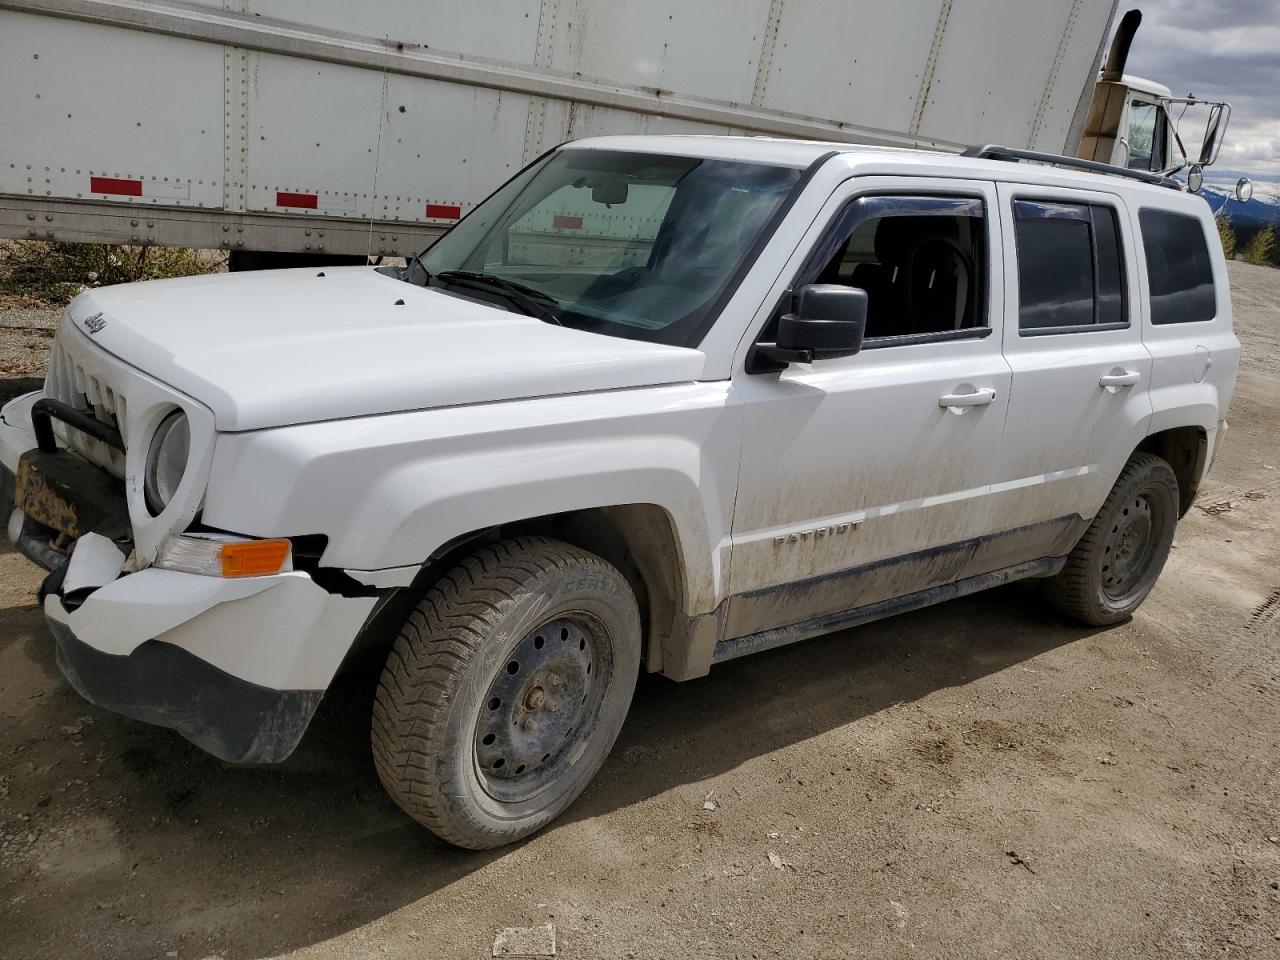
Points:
x=1146 y=86
x=862 y=159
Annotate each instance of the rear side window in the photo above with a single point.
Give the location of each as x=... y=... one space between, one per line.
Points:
x=1070 y=272
x=1179 y=270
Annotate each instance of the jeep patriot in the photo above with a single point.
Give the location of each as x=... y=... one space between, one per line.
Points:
x=657 y=403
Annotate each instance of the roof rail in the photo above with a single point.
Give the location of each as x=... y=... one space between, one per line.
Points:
x=993 y=151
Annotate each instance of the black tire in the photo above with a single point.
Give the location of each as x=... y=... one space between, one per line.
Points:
x=441 y=741
x=1117 y=561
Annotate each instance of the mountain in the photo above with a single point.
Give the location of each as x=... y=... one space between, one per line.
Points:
x=1262 y=210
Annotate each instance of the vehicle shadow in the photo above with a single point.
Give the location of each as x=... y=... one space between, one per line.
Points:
x=252 y=862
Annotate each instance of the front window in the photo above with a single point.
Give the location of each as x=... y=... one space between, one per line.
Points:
x=628 y=244
x=1147 y=136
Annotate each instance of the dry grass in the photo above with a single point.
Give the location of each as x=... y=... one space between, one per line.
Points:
x=39 y=273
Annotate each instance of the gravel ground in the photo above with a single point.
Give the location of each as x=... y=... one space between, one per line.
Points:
x=975 y=780
x=25 y=333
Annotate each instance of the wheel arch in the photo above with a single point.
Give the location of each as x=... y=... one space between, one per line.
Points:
x=1185 y=449
x=641 y=540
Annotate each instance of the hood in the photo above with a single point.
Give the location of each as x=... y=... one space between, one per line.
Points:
x=280 y=347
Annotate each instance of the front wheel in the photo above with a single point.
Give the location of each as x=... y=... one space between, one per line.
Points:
x=1116 y=563
x=506 y=689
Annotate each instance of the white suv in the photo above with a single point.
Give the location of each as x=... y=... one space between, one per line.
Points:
x=657 y=403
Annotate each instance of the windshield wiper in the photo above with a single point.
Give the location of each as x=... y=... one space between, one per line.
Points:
x=530 y=300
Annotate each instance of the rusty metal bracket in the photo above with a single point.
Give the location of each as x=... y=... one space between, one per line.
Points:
x=44 y=412
x=71 y=495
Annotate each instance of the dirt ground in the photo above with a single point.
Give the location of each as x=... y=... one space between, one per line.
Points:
x=975 y=780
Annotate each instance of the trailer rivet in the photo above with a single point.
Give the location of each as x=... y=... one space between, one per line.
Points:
x=31 y=216
x=307 y=232
x=226 y=229
x=133 y=223
x=151 y=224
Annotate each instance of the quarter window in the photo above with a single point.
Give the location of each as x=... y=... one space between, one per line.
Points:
x=1070 y=271
x=1179 y=271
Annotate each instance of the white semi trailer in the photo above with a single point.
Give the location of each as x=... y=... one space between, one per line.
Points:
x=337 y=129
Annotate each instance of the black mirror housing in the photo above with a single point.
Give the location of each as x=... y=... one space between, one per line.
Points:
x=609 y=192
x=829 y=321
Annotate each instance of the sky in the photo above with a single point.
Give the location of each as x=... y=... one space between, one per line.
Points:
x=1219 y=50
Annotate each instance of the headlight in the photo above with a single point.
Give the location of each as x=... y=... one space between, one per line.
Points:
x=167 y=460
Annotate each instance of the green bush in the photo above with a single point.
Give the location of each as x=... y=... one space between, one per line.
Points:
x=1228 y=238
x=53 y=271
x=1260 y=248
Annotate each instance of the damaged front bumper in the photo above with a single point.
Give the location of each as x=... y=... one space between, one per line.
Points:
x=237 y=667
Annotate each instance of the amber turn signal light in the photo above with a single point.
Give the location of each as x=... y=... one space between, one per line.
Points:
x=254 y=558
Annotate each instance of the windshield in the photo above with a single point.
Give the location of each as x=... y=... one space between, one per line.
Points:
x=628 y=244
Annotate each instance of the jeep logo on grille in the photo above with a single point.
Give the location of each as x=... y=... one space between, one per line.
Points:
x=94 y=322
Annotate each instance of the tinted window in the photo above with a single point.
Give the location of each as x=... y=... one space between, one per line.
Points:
x=920 y=259
x=1070 y=273
x=1179 y=271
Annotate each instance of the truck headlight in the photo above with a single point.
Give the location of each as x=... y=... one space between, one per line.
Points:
x=167 y=460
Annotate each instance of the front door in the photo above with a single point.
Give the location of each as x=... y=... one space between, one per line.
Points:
x=866 y=477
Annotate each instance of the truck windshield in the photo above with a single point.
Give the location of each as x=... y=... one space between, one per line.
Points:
x=633 y=245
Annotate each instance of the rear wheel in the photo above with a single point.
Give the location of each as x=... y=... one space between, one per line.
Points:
x=1117 y=561
x=506 y=689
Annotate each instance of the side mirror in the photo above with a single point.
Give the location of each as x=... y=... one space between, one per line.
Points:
x=1215 y=131
x=829 y=321
x=1244 y=189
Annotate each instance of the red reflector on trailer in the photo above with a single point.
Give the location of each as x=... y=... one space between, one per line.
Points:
x=562 y=222
x=308 y=201
x=115 y=185
x=443 y=211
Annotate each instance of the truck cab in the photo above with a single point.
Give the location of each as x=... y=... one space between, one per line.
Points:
x=659 y=402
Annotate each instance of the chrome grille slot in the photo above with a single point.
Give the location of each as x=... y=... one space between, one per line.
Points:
x=69 y=382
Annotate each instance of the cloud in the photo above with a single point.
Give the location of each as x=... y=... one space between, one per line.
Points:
x=1219 y=50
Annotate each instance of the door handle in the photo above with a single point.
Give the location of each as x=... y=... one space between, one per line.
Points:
x=1124 y=378
x=976 y=397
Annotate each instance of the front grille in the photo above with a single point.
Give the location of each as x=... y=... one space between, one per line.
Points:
x=71 y=383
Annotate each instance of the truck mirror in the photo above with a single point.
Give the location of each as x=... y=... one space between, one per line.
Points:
x=1244 y=189
x=1195 y=178
x=1215 y=131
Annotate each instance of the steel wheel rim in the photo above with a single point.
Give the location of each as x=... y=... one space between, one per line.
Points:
x=537 y=716
x=1129 y=546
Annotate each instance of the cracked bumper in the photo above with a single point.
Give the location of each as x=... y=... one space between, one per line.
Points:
x=162 y=684
x=237 y=667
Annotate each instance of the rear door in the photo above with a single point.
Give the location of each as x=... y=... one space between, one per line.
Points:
x=1080 y=401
